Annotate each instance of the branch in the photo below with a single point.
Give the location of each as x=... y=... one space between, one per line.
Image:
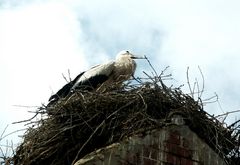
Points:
x=189 y=85
x=1 y=137
x=227 y=113
x=203 y=82
x=156 y=75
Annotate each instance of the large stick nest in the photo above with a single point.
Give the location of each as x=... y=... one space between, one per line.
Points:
x=85 y=121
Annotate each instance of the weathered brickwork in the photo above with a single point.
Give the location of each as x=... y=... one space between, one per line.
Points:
x=177 y=150
x=171 y=145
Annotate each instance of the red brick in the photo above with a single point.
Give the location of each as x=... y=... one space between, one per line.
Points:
x=174 y=137
x=171 y=159
x=186 y=161
x=132 y=157
x=188 y=153
x=177 y=150
x=184 y=152
x=149 y=161
x=186 y=143
x=170 y=147
x=180 y=151
x=150 y=154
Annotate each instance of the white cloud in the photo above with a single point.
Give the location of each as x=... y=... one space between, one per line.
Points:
x=38 y=43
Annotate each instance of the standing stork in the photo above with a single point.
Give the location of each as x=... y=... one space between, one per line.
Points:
x=98 y=77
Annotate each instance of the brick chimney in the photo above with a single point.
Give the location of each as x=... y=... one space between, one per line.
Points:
x=173 y=144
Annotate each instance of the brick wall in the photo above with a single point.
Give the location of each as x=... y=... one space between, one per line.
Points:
x=177 y=150
x=171 y=145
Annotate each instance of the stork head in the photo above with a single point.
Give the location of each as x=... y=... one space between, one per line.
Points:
x=126 y=54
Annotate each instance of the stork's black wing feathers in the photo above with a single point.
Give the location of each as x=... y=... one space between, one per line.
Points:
x=64 y=91
x=95 y=76
x=92 y=82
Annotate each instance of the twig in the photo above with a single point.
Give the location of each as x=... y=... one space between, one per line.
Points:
x=136 y=79
x=65 y=78
x=23 y=121
x=149 y=77
x=156 y=75
x=69 y=75
x=227 y=113
x=1 y=137
x=194 y=86
x=210 y=98
x=164 y=70
x=90 y=137
x=26 y=106
x=14 y=132
x=198 y=88
x=188 y=82
x=238 y=121
x=151 y=66
x=203 y=82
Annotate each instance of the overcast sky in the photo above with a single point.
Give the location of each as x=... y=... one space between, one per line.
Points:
x=41 y=39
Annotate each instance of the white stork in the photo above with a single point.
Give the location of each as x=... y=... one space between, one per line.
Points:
x=102 y=75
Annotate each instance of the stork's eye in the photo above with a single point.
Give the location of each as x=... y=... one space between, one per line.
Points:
x=127 y=52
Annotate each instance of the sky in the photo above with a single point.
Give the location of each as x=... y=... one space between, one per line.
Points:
x=42 y=39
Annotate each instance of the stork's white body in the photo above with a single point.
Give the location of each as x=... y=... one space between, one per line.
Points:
x=99 y=76
x=112 y=72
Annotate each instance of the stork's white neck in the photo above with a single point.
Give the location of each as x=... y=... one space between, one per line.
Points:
x=123 y=58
